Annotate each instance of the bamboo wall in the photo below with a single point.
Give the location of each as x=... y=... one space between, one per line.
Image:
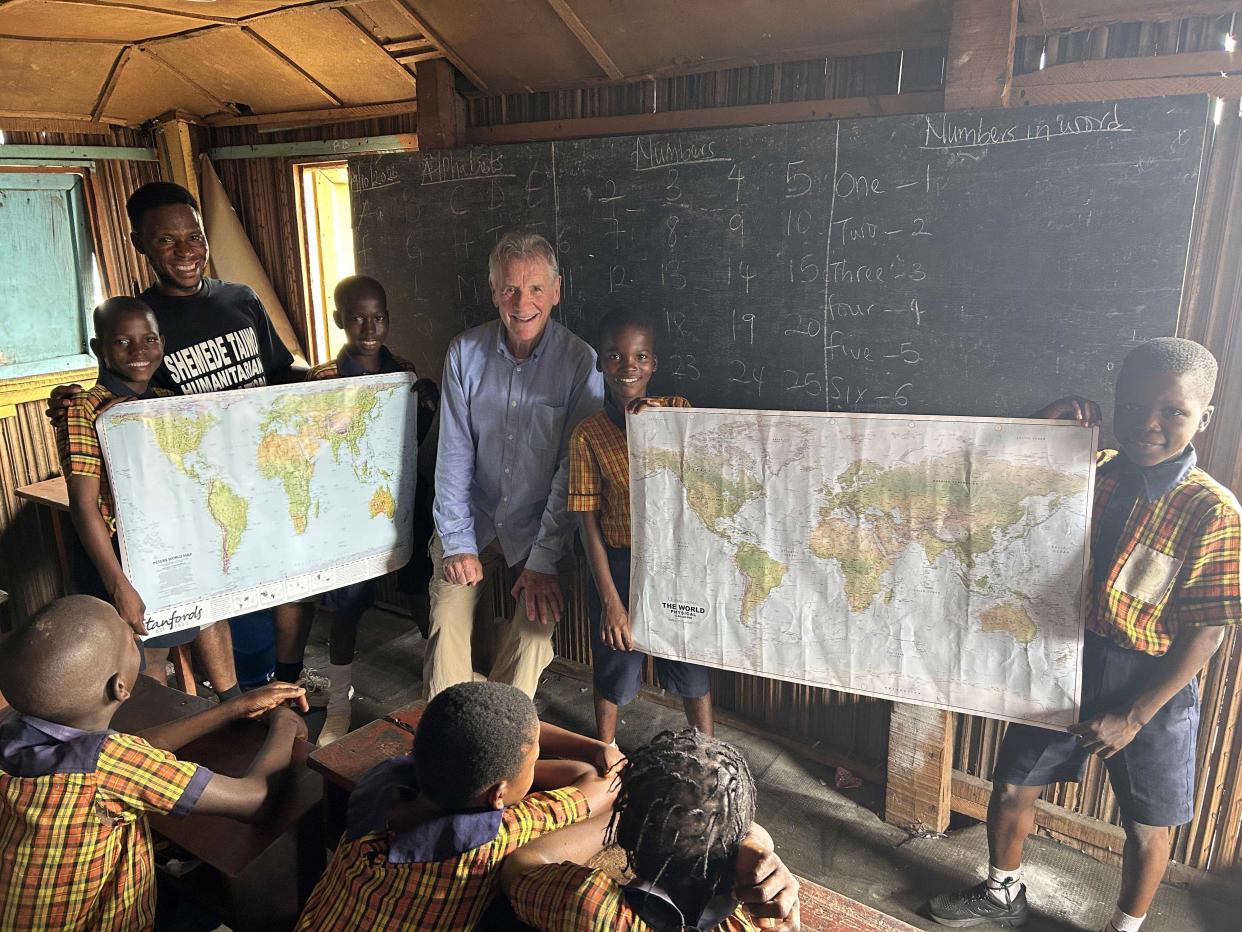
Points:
x=28 y=568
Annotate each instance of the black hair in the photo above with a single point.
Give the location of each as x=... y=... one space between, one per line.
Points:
x=356 y=287
x=1174 y=354
x=613 y=321
x=472 y=736
x=686 y=802
x=111 y=310
x=153 y=195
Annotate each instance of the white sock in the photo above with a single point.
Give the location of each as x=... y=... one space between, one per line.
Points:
x=1124 y=922
x=340 y=676
x=1003 y=884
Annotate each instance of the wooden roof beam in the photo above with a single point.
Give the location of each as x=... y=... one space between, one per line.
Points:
x=422 y=26
x=109 y=85
x=575 y=25
x=1131 y=11
x=293 y=118
x=979 y=65
x=182 y=12
x=370 y=37
x=247 y=20
x=1182 y=64
x=310 y=79
x=155 y=56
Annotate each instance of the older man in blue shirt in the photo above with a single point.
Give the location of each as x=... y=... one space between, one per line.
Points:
x=513 y=391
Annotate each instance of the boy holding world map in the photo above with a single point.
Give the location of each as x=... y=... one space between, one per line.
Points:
x=599 y=488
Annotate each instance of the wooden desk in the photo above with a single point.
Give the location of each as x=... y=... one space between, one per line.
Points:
x=265 y=870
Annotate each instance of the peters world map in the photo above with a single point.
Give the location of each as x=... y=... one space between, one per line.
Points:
x=939 y=561
x=231 y=502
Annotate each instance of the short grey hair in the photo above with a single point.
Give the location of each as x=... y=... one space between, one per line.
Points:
x=1176 y=355
x=519 y=244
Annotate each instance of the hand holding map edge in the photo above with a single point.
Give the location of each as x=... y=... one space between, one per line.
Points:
x=1072 y=408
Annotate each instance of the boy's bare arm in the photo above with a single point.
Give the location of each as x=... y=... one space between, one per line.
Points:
x=97 y=541
x=578 y=843
x=243 y=797
x=615 y=628
x=555 y=741
x=1110 y=732
x=172 y=736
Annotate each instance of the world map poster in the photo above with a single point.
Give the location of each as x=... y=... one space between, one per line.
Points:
x=938 y=561
x=231 y=502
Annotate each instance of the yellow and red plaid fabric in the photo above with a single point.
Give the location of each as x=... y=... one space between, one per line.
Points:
x=363 y=890
x=332 y=370
x=77 y=442
x=572 y=898
x=75 y=848
x=1194 y=532
x=599 y=472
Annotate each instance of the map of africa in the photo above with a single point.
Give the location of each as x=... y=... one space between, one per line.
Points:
x=231 y=502
x=938 y=561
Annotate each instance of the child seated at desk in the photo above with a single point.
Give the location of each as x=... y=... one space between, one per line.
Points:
x=684 y=818
x=362 y=312
x=425 y=835
x=75 y=847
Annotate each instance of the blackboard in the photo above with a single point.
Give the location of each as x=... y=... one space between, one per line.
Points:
x=973 y=263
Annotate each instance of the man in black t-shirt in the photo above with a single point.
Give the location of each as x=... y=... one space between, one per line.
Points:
x=217 y=336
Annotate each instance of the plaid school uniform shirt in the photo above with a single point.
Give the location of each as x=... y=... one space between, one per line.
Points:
x=345 y=366
x=77 y=442
x=571 y=898
x=75 y=847
x=1175 y=558
x=599 y=469
x=437 y=876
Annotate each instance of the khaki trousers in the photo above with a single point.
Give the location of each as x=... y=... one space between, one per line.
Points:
x=525 y=649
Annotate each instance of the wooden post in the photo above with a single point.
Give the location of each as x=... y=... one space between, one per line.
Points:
x=176 y=151
x=979 y=66
x=919 y=789
x=441 y=112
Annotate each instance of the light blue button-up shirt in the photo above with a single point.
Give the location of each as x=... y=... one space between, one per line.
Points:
x=502 y=470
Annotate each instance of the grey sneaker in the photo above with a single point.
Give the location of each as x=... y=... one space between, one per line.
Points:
x=316 y=685
x=974 y=907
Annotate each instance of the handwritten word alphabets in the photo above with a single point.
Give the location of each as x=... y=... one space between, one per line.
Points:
x=945 y=132
x=650 y=154
x=462 y=166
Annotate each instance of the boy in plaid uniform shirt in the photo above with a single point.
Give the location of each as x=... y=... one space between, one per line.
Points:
x=1164 y=587
x=684 y=818
x=599 y=488
x=362 y=312
x=75 y=848
x=425 y=835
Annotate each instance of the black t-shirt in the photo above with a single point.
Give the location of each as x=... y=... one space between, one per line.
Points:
x=218 y=339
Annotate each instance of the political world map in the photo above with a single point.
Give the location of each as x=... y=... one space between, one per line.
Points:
x=939 y=561
x=231 y=502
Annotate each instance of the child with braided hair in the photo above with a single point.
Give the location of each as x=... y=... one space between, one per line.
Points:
x=684 y=817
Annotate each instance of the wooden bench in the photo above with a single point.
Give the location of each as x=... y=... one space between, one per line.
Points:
x=262 y=873
x=343 y=763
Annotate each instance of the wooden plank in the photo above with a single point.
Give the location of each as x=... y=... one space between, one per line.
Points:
x=280 y=56
x=706 y=118
x=825 y=910
x=109 y=84
x=1197 y=64
x=920 y=765
x=52 y=115
x=1124 y=90
x=1074 y=14
x=400 y=142
x=575 y=25
x=120 y=153
x=292 y=118
x=176 y=151
x=421 y=25
x=160 y=59
x=979 y=66
x=397 y=49
x=441 y=114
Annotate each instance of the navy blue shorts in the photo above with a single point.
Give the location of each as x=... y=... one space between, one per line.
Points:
x=87 y=581
x=353 y=599
x=618 y=673
x=1153 y=777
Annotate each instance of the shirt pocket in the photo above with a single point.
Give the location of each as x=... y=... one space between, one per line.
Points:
x=545 y=426
x=1147 y=574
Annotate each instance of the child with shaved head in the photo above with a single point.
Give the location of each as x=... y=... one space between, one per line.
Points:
x=75 y=848
x=1164 y=588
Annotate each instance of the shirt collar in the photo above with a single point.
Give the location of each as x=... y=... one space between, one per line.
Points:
x=113 y=383
x=613 y=413
x=1159 y=480
x=502 y=346
x=657 y=909
x=438 y=839
x=349 y=367
x=34 y=747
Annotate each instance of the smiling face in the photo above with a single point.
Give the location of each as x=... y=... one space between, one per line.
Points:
x=365 y=322
x=525 y=293
x=172 y=239
x=1157 y=413
x=130 y=347
x=628 y=360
